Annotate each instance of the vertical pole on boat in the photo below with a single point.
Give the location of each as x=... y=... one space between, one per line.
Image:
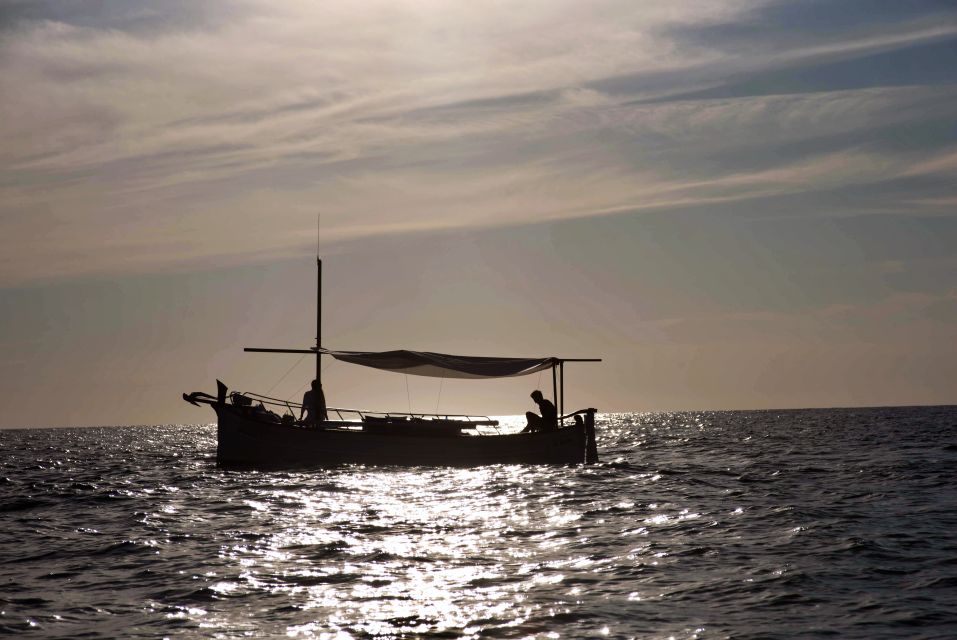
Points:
x=555 y=385
x=591 y=447
x=315 y=409
x=318 y=318
x=318 y=304
x=561 y=378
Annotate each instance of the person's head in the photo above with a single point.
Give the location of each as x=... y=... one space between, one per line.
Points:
x=537 y=395
x=316 y=384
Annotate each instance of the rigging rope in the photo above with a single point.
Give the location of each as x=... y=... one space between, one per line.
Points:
x=407 y=394
x=441 y=380
x=296 y=392
x=286 y=374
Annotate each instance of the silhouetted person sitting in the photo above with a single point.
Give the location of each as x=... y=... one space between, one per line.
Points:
x=548 y=421
x=314 y=404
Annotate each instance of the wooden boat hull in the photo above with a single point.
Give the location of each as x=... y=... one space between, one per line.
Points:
x=244 y=441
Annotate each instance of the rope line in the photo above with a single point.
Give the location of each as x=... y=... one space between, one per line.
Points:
x=298 y=391
x=407 y=394
x=286 y=374
x=441 y=380
x=307 y=383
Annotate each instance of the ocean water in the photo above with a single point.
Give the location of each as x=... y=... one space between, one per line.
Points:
x=755 y=524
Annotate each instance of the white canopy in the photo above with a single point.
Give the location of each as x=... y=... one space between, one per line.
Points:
x=441 y=365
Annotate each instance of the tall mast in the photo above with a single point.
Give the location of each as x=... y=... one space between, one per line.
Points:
x=318 y=307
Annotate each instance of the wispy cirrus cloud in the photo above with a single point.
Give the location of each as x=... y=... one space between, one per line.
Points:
x=155 y=128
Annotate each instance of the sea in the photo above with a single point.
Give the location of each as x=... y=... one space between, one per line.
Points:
x=733 y=524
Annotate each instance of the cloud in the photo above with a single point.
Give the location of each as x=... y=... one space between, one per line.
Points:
x=777 y=26
x=944 y=163
x=921 y=321
x=174 y=134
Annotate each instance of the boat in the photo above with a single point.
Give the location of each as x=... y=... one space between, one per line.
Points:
x=258 y=431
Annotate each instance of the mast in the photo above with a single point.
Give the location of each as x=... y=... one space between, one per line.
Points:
x=318 y=306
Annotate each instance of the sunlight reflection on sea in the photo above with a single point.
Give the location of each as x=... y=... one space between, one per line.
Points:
x=693 y=525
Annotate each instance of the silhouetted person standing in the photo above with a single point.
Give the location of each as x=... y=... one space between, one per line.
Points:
x=548 y=421
x=314 y=404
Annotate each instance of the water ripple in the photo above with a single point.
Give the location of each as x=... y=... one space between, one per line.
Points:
x=695 y=525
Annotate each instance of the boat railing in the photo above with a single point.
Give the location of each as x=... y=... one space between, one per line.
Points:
x=350 y=415
x=580 y=412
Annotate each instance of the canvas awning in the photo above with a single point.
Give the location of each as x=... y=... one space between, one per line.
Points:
x=437 y=365
x=441 y=365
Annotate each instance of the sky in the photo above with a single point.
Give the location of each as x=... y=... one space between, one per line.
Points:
x=735 y=204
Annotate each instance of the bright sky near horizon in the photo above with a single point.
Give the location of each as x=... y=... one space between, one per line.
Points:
x=737 y=203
